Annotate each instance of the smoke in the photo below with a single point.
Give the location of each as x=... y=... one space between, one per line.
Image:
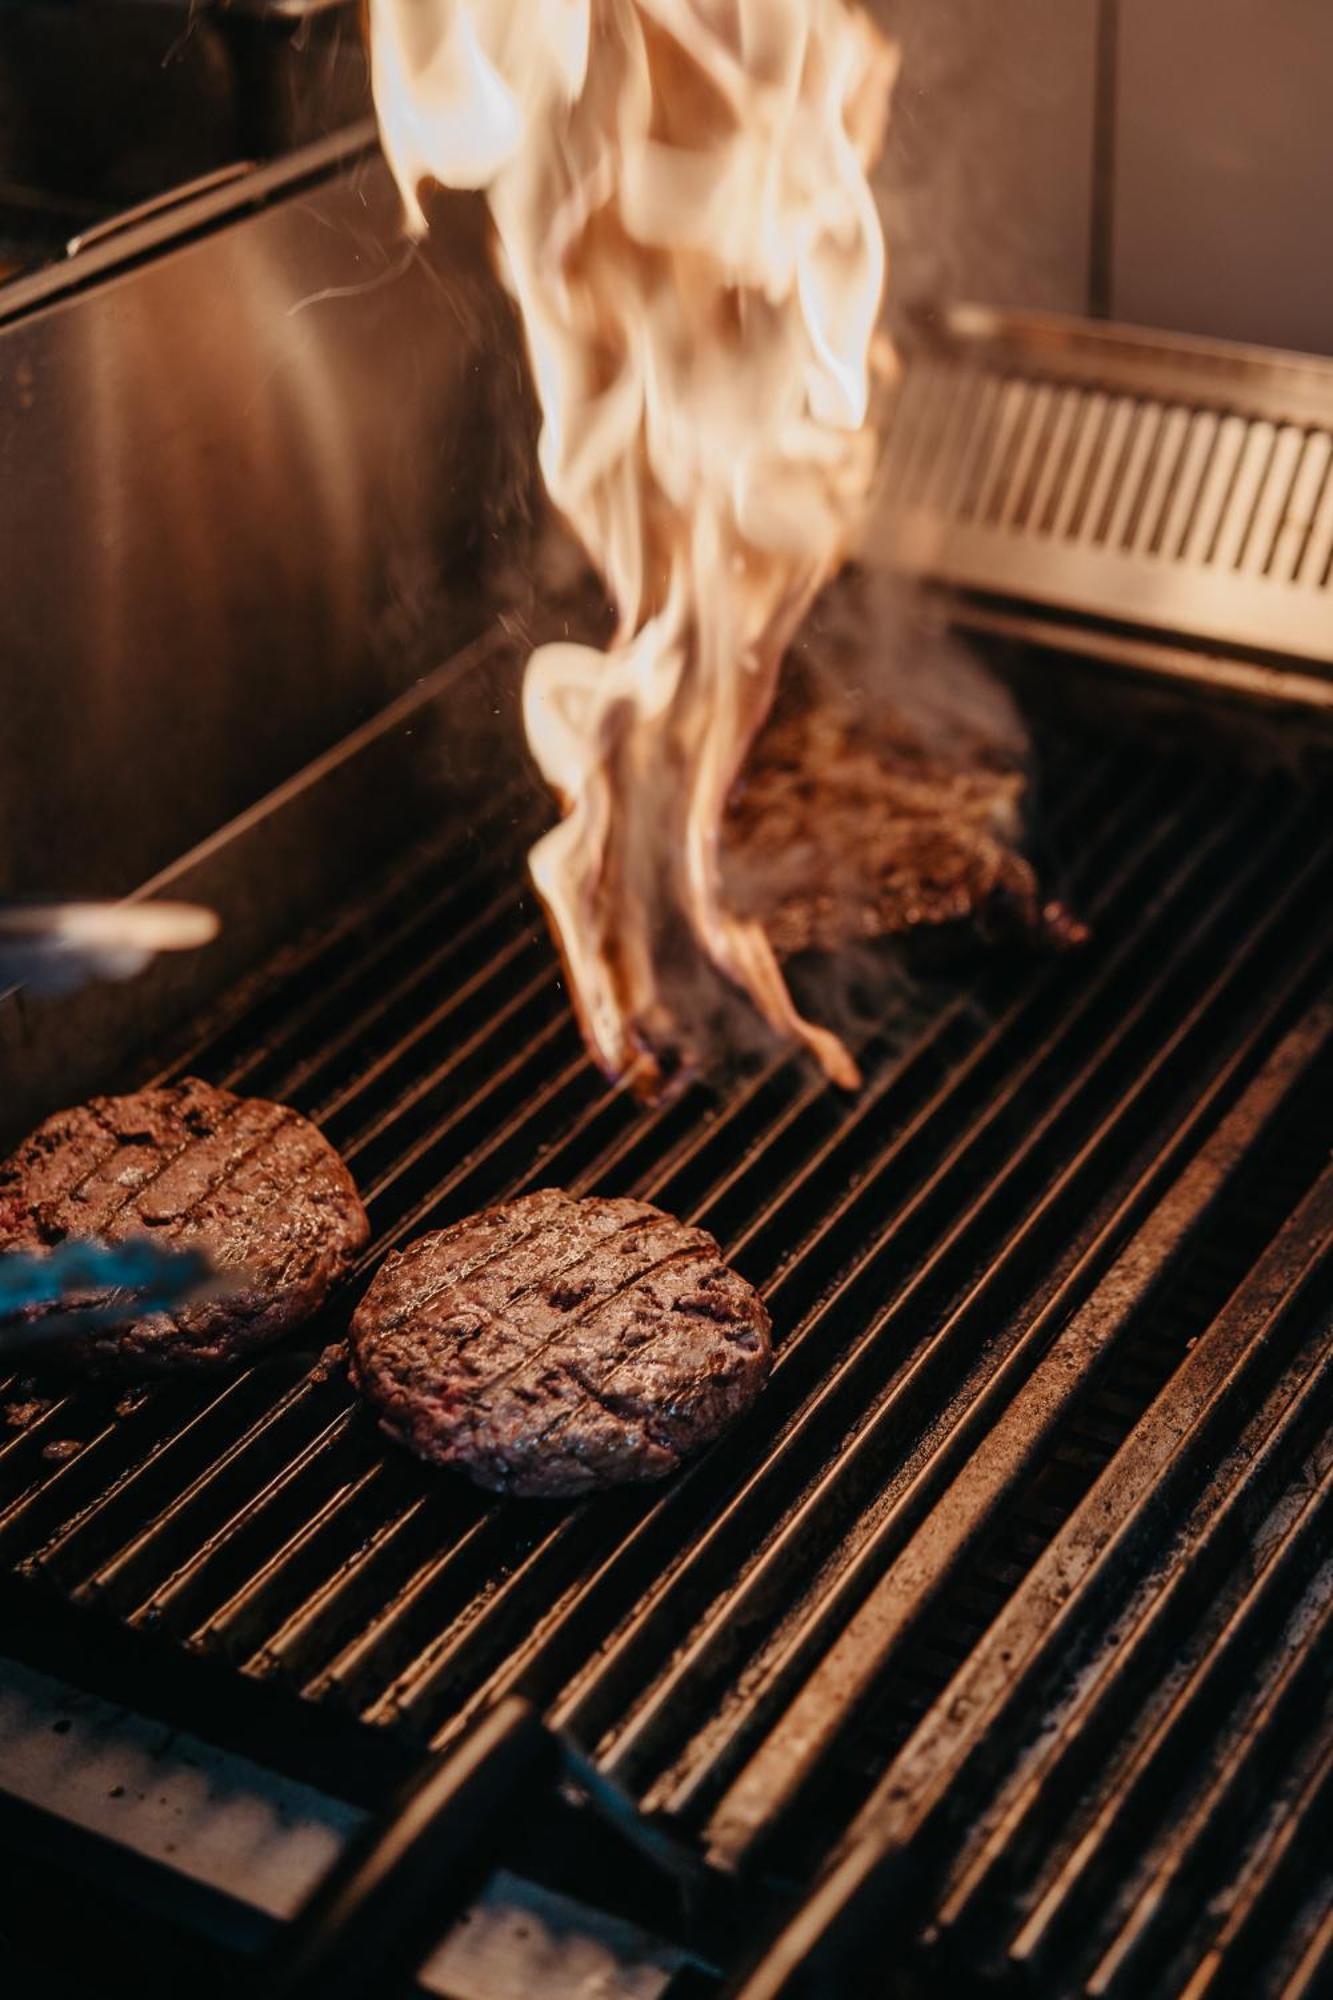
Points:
x=979 y=202
x=876 y=645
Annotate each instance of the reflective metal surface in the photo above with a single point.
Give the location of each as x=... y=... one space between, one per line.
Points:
x=106 y=103
x=437 y=757
x=242 y=454
x=1163 y=502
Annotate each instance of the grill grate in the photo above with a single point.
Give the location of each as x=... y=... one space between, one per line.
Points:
x=770 y=1650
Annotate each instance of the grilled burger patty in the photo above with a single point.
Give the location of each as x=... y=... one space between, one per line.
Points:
x=550 y=1345
x=837 y=834
x=253 y=1183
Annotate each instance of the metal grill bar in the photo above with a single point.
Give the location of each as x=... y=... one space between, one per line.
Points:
x=1164 y=1613
x=384 y=927
x=1030 y=1417
x=1075 y=1583
x=705 y=1214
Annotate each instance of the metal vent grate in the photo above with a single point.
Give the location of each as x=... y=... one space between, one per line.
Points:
x=1114 y=477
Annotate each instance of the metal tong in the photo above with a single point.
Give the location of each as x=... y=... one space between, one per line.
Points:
x=58 y=947
x=85 y=1286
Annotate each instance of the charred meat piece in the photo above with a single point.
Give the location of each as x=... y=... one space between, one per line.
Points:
x=551 y=1346
x=252 y=1183
x=838 y=833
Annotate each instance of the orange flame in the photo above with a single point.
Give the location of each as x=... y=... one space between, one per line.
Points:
x=679 y=189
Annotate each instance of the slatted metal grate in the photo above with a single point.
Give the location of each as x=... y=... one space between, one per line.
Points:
x=1148 y=483
x=987 y=1480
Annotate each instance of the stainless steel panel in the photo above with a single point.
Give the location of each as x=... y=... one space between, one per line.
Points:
x=1182 y=494
x=248 y=471
x=422 y=768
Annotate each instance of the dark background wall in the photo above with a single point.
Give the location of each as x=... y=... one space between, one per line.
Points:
x=1209 y=121
x=986 y=183
x=1224 y=180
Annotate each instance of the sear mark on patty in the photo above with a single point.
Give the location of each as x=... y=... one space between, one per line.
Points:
x=551 y=1346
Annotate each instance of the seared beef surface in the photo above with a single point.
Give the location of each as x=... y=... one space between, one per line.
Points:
x=551 y=1345
x=839 y=833
x=253 y=1183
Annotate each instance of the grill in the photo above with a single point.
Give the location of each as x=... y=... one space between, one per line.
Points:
x=1000 y=1625
x=991 y=1651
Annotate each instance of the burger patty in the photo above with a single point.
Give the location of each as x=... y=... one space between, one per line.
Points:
x=836 y=835
x=254 y=1184
x=551 y=1345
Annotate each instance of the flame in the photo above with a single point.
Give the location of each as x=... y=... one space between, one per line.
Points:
x=680 y=196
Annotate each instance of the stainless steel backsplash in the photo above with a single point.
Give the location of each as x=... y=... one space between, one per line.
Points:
x=249 y=480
